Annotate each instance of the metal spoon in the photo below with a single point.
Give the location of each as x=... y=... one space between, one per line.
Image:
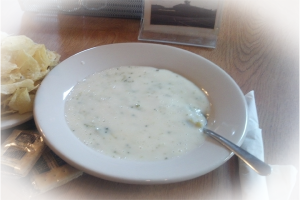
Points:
x=256 y=164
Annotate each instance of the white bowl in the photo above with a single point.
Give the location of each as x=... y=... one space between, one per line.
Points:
x=228 y=116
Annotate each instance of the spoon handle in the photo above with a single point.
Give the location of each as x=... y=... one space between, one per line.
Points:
x=257 y=165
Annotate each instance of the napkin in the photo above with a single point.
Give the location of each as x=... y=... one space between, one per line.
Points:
x=279 y=184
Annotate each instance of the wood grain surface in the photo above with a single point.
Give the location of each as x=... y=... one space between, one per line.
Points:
x=258 y=46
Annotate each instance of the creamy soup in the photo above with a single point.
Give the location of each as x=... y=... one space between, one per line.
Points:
x=139 y=113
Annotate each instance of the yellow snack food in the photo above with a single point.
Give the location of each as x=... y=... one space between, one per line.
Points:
x=21 y=101
x=24 y=64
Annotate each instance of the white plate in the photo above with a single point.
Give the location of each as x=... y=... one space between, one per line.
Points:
x=15 y=120
x=228 y=116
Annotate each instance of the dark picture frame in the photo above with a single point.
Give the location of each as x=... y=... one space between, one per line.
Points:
x=184 y=14
x=191 y=22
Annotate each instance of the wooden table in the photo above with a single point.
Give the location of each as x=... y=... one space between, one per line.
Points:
x=258 y=47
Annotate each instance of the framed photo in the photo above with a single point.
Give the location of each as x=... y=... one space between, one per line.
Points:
x=191 y=22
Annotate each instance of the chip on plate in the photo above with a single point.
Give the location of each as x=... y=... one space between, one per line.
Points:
x=24 y=64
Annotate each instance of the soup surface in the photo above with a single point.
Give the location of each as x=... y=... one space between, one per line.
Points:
x=139 y=113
